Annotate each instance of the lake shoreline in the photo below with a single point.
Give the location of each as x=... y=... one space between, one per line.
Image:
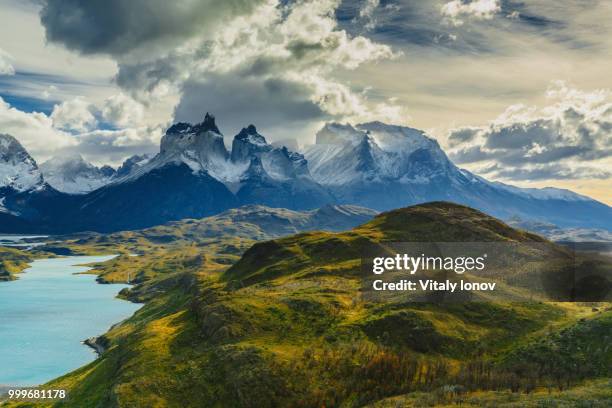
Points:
x=80 y=306
x=94 y=342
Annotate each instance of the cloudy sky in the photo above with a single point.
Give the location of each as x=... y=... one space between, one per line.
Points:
x=517 y=91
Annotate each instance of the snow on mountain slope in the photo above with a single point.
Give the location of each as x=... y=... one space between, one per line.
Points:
x=198 y=146
x=18 y=170
x=326 y=164
x=384 y=166
x=201 y=147
x=73 y=175
x=377 y=152
x=546 y=193
x=400 y=139
x=275 y=176
x=248 y=143
x=374 y=151
x=131 y=164
x=372 y=165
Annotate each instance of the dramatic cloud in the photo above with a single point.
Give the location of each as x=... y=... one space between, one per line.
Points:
x=119 y=27
x=122 y=111
x=73 y=115
x=570 y=138
x=6 y=67
x=34 y=130
x=455 y=10
x=123 y=133
x=70 y=129
x=113 y=146
x=237 y=102
x=288 y=65
x=277 y=58
x=289 y=58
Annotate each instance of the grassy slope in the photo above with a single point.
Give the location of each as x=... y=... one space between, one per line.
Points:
x=13 y=261
x=286 y=326
x=592 y=394
x=307 y=252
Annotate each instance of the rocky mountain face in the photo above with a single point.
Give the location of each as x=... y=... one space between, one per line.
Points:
x=194 y=175
x=18 y=170
x=22 y=187
x=254 y=172
x=275 y=176
x=374 y=152
x=199 y=146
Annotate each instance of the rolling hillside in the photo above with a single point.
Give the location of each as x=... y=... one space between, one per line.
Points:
x=286 y=326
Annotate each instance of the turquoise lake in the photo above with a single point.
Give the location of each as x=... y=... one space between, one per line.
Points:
x=48 y=312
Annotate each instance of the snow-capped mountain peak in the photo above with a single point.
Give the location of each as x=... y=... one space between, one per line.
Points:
x=250 y=134
x=338 y=134
x=18 y=170
x=374 y=151
x=72 y=174
x=248 y=143
x=373 y=164
x=401 y=139
x=201 y=147
x=204 y=140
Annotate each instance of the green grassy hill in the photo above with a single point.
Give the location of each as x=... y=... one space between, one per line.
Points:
x=328 y=252
x=286 y=325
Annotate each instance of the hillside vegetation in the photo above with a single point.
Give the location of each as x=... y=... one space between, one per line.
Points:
x=286 y=324
x=12 y=261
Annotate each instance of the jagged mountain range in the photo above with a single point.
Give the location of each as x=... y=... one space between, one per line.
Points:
x=194 y=175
